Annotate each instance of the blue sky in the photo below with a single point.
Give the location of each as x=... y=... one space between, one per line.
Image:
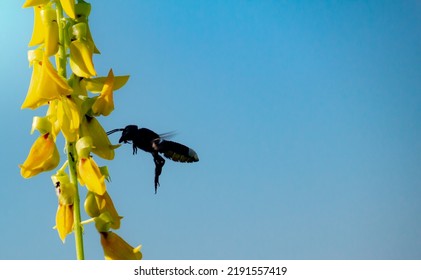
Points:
x=306 y=116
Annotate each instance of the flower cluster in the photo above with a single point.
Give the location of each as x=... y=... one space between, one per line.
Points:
x=74 y=106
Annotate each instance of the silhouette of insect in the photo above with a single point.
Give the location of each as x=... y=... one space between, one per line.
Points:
x=151 y=142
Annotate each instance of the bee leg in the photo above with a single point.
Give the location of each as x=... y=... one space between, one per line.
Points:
x=134 y=149
x=159 y=163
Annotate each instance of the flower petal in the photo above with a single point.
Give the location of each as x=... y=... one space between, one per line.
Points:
x=81 y=61
x=69 y=7
x=43 y=156
x=96 y=85
x=50 y=25
x=101 y=145
x=68 y=118
x=104 y=104
x=30 y=3
x=91 y=176
x=46 y=85
x=115 y=248
x=38 y=30
x=64 y=220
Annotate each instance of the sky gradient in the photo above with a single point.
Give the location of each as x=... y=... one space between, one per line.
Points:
x=306 y=116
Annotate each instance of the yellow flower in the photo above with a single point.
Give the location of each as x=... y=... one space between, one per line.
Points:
x=68 y=118
x=96 y=85
x=95 y=205
x=101 y=145
x=65 y=189
x=38 y=30
x=104 y=104
x=46 y=84
x=43 y=156
x=115 y=248
x=81 y=52
x=50 y=25
x=81 y=59
x=52 y=117
x=83 y=9
x=64 y=220
x=90 y=175
x=65 y=192
x=69 y=7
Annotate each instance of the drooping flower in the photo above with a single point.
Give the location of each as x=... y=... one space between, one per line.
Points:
x=65 y=192
x=95 y=205
x=46 y=84
x=81 y=52
x=83 y=9
x=115 y=248
x=89 y=173
x=68 y=118
x=64 y=220
x=43 y=156
x=101 y=144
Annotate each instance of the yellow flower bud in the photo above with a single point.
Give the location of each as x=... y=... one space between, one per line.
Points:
x=115 y=248
x=43 y=156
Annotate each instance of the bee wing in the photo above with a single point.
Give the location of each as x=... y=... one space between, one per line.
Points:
x=167 y=135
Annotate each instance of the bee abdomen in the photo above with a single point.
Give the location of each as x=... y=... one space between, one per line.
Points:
x=177 y=152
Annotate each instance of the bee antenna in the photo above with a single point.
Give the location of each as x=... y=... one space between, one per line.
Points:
x=114 y=130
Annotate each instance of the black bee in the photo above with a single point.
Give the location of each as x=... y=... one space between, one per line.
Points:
x=151 y=142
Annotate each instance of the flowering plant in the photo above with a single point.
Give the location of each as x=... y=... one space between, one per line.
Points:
x=75 y=104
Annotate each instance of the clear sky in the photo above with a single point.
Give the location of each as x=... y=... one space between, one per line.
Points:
x=306 y=116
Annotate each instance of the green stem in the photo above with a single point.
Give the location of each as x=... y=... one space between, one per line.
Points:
x=61 y=59
x=61 y=63
x=77 y=225
x=88 y=221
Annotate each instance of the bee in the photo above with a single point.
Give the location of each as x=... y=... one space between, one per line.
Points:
x=155 y=144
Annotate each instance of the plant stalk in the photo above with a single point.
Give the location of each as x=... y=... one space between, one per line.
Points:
x=61 y=63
